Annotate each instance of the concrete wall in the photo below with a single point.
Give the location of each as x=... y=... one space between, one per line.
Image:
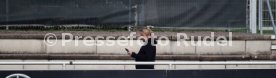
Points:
x=120 y=67
x=173 y=47
x=21 y=46
x=70 y=47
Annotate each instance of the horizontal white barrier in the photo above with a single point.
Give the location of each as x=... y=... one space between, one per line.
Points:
x=34 y=63
x=176 y=63
x=64 y=63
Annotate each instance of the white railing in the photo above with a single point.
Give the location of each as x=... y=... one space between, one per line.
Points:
x=64 y=63
x=170 y=64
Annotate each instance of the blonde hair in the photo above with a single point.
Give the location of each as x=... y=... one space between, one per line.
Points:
x=147 y=31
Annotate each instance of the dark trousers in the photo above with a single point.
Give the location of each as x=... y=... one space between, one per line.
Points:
x=144 y=66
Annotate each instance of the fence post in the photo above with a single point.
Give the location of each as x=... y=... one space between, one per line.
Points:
x=63 y=66
x=253 y=16
x=135 y=15
x=170 y=66
x=260 y=20
x=7 y=27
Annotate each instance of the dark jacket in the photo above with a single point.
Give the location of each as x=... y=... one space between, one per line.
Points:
x=146 y=53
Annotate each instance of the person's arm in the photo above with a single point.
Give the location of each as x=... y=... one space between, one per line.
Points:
x=142 y=55
x=148 y=53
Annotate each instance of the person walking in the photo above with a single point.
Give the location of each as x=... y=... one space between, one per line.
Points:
x=147 y=52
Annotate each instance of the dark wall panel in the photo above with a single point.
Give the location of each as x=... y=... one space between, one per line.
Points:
x=195 y=13
x=233 y=73
x=89 y=74
x=168 y=13
x=2 y=10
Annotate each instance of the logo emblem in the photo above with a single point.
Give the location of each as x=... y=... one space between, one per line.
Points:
x=18 y=75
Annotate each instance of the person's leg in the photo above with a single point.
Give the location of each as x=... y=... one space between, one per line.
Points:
x=139 y=67
x=144 y=66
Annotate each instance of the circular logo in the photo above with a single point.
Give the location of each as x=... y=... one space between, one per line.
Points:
x=18 y=75
x=50 y=39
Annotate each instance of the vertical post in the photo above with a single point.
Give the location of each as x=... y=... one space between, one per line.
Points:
x=170 y=66
x=271 y=16
x=7 y=14
x=7 y=27
x=129 y=14
x=260 y=16
x=63 y=66
x=129 y=28
x=142 y=13
x=136 y=15
x=253 y=16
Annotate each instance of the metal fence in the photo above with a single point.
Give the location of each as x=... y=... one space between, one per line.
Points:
x=119 y=13
x=266 y=18
x=264 y=21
